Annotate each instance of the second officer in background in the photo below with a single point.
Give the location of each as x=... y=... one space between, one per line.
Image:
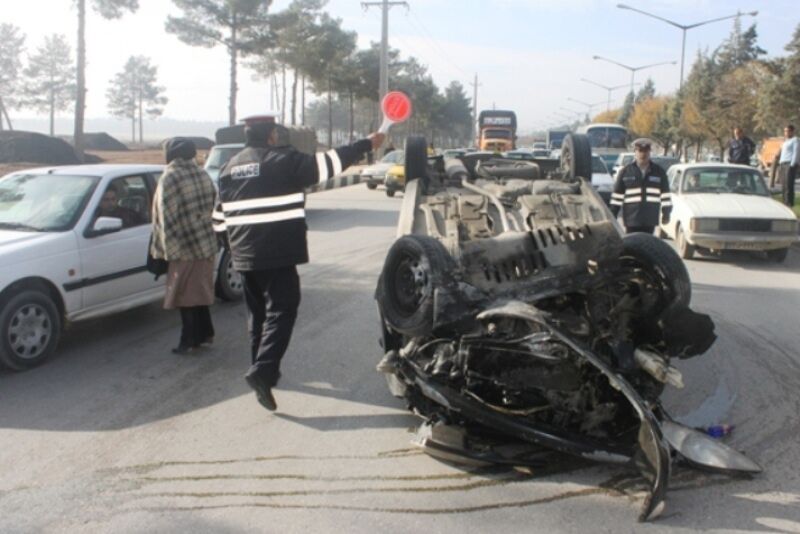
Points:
x=262 y=202
x=641 y=190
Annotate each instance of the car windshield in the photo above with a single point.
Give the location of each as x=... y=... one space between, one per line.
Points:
x=497 y=134
x=743 y=182
x=603 y=137
x=664 y=162
x=43 y=202
x=219 y=156
x=598 y=166
x=396 y=156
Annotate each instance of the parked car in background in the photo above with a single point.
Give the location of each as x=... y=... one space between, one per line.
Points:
x=453 y=153
x=665 y=162
x=719 y=206
x=622 y=160
x=602 y=181
x=395 y=179
x=375 y=175
x=218 y=156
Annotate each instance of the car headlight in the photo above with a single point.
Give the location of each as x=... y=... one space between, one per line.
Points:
x=704 y=225
x=784 y=226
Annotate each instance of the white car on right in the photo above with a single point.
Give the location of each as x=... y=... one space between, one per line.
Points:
x=719 y=206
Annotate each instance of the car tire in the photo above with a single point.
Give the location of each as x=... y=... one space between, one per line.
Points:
x=576 y=157
x=229 y=282
x=389 y=192
x=30 y=327
x=415 y=266
x=372 y=186
x=664 y=265
x=685 y=249
x=416 y=160
x=777 y=255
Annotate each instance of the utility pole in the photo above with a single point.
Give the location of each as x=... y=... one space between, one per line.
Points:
x=475 y=85
x=385 y=5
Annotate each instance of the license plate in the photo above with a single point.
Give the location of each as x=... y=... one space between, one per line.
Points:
x=745 y=246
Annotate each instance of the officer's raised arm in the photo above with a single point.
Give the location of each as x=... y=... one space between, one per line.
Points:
x=317 y=169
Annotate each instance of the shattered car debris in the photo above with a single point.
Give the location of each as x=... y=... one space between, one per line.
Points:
x=517 y=318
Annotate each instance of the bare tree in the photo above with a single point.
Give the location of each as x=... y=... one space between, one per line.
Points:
x=235 y=24
x=12 y=42
x=49 y=82
x=109 y=9
x=133 y=89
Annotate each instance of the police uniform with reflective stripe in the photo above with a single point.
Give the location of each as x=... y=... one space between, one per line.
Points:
x=641 y=196
x=263 y=204
x=262 y=208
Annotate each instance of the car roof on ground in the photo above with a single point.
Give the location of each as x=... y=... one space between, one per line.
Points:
x=93 y=170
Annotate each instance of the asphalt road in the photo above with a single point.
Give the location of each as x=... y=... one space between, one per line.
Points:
x=116 y=434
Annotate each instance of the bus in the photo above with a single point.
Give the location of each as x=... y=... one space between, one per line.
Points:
x=608 y=140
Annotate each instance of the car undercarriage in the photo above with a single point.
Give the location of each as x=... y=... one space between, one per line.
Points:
x=517 y=318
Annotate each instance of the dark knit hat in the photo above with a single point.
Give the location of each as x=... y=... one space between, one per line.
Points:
x=179 y=147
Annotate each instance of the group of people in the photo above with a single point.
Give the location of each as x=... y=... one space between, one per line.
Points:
x=260 y=211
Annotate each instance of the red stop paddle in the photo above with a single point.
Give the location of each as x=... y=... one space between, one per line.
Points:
x=396 y=108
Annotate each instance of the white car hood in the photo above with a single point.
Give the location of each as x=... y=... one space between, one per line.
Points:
x=730 y=205
x=17 y=247
x=378 y=168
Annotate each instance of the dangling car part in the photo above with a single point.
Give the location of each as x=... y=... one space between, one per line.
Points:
x=518 y=319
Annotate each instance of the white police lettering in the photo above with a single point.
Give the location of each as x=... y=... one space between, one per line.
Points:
x=245 y=171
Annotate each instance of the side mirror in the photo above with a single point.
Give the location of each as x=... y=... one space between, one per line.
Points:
x=105 y=225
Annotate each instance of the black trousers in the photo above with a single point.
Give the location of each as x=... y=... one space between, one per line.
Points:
x=788 y=175
x=272 y=297
x=644 y=229
x=197 y=326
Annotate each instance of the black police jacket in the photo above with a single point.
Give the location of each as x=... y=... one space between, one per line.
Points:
x=262 y=201
x=641 y=196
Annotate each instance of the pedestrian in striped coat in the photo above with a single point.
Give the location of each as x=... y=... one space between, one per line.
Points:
x=641 y=190
x=262 y=210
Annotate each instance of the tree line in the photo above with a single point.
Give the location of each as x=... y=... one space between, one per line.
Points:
x=733 y=85
x=301 y=45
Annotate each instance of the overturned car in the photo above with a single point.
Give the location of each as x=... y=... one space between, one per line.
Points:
x=518 y=319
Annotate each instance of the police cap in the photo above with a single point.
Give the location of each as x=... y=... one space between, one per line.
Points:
x=643 y=142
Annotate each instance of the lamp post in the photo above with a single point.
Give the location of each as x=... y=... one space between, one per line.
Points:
x=634 y=69
x=588 y=106
x=607 y=88
x=685 y=27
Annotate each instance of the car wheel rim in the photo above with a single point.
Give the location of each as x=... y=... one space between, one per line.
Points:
x=233 y=277
x=410 y=284
x=29 y=331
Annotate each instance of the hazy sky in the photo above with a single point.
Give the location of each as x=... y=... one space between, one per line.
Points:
x=529 y=54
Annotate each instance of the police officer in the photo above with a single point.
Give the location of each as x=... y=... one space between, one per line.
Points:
x=641 y=189
x=262 y=208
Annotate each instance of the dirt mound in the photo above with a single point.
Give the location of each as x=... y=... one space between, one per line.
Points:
x=31 y=147
x=102 y=141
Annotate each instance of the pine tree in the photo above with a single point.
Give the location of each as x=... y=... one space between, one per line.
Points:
x=647 y=91
x=49 y=78
x=241 y=26
x=108 y=9
x=12 y=43
x=133 y=89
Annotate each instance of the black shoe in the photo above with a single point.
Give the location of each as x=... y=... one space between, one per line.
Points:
x=263 y=392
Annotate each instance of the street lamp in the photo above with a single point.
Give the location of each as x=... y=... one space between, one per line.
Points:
x=634 y=69
x=685 y=27
x=607 y=88
x=588 y=106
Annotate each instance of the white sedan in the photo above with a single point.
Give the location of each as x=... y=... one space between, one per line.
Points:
x=718 y=206
x=73 y=245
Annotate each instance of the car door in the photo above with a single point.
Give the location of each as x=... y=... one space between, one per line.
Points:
x=674 y=176
x=113 y=264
